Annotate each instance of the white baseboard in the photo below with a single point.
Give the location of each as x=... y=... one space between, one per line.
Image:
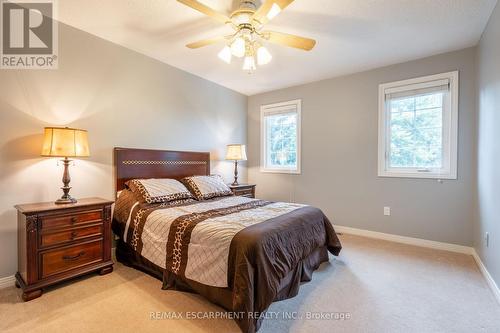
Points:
x=7 y=281
x=430 y=244
x=489 y=279
x=406 y=240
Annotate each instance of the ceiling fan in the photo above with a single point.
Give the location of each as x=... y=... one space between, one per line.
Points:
x=247 y=40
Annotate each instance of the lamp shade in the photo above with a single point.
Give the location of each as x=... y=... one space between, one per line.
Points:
x=65 y=142
x=236 y=153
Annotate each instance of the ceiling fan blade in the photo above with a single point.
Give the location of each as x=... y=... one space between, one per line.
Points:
x=206 y=10
x=205 y=42
x=281 y=38
x=269 y=9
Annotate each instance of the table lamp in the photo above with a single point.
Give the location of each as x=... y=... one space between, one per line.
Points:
x=236 y=153
x=65 y=142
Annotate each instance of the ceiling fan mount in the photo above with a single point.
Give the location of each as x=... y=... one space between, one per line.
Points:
x=248 y=37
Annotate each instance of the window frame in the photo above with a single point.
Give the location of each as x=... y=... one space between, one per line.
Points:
x=450 y=120
x=279 y=108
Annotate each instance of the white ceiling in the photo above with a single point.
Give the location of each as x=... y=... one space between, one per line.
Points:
x=352 y=35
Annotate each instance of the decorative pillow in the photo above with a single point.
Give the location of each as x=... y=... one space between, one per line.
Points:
x=123 y=204
x=206 y=187
x=158 y=190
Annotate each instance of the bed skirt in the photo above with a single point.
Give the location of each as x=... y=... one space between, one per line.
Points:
x=223 y=296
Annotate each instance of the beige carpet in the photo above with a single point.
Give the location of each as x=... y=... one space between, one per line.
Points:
x=383 y=286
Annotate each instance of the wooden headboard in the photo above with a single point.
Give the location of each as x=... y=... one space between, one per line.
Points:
x=133 y=163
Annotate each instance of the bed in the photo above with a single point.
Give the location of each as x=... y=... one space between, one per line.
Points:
x=240 y=253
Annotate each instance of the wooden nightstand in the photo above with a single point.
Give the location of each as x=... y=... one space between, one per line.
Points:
x=59 y=242
x=244 y=190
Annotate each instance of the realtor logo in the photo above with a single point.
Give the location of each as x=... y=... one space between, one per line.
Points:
x=29 y=34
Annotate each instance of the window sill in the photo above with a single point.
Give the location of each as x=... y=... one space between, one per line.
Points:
x=417 y=175
x=286 y=172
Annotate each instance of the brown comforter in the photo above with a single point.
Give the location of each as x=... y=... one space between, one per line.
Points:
x=266 y=261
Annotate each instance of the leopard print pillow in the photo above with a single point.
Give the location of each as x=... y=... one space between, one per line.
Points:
x=206 y=187
x=158 y=190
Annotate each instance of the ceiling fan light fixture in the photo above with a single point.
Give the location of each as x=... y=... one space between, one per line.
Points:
x=275 y=10
x=238 y=47
x=263 y=56
x=249 y=64
x=225 y=54
x=248 y=35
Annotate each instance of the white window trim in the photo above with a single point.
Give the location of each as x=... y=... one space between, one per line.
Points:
x=451 y=172
x=275 y=109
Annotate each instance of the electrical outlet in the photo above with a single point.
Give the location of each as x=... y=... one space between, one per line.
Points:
x=487 y=239
x=387 y=211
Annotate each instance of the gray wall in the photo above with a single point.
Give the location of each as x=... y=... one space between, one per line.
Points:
x=488 y=189
x=124 y=99
x=339 y=155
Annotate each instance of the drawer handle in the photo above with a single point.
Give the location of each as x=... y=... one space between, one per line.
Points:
x=74 y=220
x=69 y=258
x=74 y=234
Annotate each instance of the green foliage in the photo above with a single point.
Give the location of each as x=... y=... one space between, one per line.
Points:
x=282 y=140
x=416 y=126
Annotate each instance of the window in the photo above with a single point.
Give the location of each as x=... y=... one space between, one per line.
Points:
x=280 y=137
x=418 y=122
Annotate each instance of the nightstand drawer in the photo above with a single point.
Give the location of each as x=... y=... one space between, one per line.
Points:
x=61 y=260
x=245 y=192
x=79 y=233
x=55 y=221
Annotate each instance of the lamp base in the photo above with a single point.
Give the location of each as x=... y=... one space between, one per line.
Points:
x=66 y=198
x=235 y=183
x=69 y=200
